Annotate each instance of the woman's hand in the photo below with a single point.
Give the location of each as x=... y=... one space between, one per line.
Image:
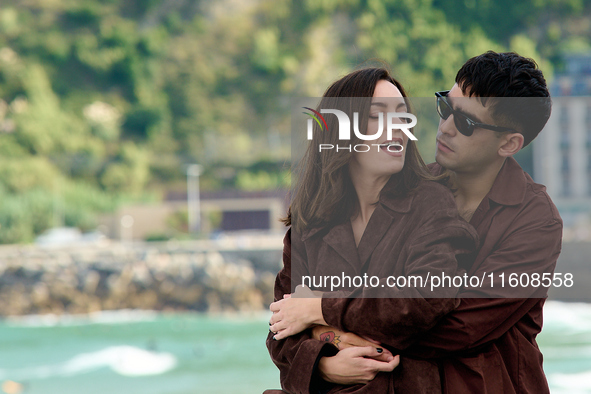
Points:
x=343 y=340
x=355 y=365
x=294 y=314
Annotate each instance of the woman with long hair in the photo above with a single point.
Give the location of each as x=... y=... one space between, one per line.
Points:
x=369 y=209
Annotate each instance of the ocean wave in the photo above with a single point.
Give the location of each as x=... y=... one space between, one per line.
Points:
x=573 y=382
x=123 y=360
x=569 y=318
x=575 y=351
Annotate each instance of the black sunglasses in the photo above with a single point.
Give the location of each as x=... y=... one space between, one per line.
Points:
x=464 y=124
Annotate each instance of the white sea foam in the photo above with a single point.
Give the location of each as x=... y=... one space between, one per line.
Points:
x=123 y=360
x=574 y=383
x=572 y=318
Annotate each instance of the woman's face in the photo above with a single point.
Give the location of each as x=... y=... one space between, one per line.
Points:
x=383 y=158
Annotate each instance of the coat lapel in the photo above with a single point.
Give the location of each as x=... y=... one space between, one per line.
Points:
x=341 y=239
x=378 y=225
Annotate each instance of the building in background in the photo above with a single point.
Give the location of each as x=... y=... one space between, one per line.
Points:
x=222 y=211
x=562 y=152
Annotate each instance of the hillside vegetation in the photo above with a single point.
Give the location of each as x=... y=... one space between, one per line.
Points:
x=108 y=101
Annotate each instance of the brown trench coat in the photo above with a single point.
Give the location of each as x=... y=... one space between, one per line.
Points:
x=488 y=345
x=410 y=235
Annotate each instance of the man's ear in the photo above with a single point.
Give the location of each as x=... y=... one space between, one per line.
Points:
x=511 y=143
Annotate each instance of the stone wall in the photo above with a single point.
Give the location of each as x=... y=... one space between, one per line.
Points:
x=237 y=275
x=89 y=278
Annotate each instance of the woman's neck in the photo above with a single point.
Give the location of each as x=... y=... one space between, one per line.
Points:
x=368 y=188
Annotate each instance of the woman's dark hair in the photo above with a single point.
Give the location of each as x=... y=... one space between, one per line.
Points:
x=324 y=194
x=509 y=75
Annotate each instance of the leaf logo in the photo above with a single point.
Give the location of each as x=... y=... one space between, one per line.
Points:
x=316 y=117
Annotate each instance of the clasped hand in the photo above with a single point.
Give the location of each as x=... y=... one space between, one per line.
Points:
x=359 y=360
x=292 y=315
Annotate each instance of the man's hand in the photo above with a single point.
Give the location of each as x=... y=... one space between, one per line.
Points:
x=344 y=340
x=294 y=314
x=355 y=365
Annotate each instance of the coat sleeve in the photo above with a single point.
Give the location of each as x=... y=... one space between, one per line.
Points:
x=397 y=317
x=295 y=356
x=532 y=248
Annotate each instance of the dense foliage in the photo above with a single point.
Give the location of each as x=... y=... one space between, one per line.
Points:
x=104 y=100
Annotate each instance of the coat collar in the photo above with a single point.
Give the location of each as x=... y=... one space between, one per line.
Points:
x=342 y=240
x=400 y=204
x=510 y=184
x=376 y=228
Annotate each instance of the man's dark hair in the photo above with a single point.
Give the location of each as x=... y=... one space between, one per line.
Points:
x=509 y=75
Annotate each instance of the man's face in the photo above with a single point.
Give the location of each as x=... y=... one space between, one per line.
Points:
x=460 y=153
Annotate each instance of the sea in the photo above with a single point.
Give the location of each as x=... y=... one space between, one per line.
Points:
x=144 y=352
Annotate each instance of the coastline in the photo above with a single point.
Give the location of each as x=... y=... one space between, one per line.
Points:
x=233 y=275
x=114 y=276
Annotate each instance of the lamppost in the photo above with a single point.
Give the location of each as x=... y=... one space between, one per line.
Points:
x=193 y=201
x=126 y=232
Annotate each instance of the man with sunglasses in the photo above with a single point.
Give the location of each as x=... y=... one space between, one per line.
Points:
x=499 y=104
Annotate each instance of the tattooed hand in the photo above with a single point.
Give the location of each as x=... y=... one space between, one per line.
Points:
x=342 y=340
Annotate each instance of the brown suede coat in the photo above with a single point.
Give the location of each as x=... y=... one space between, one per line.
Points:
x=489 y=345
x=418 y=234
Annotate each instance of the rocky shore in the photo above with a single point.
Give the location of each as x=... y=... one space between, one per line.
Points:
x=206 y=276
x=86 y=279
